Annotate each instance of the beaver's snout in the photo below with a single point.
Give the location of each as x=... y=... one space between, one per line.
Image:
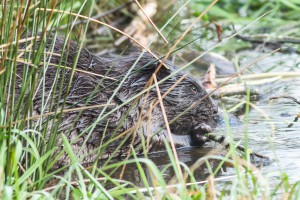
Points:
x=215 y=110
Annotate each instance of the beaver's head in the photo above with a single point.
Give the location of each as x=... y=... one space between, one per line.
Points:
x=190 y=109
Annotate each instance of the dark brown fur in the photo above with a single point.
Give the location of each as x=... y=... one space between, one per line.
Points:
x=134 y=117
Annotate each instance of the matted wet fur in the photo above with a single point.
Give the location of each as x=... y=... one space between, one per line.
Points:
x=130 y=124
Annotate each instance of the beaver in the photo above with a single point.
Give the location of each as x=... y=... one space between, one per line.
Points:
x=101 y=107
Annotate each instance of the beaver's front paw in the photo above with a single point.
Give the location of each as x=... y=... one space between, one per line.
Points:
x=198 y=134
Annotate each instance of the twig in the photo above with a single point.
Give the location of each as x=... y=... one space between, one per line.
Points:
x=167 y=125
x=265 y=75
x=237 y=90
x=295 y=120
x=221 y=140
x=211 y=189
x=286 y=97
x=151 y=22
x=294 y=100
x=269 y=39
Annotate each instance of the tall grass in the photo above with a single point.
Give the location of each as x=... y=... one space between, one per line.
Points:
x=27 y=153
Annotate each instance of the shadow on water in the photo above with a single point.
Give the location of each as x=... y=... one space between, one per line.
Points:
x=188 y=156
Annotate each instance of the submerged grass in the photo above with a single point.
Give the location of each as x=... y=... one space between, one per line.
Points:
x=26 y=154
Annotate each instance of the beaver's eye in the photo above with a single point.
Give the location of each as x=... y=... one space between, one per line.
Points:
x=194 y=89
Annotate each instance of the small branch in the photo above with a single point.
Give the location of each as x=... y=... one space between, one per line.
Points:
x=264 y=75
x=294 y=100
x=151 y=22
x=295 y=120
x=237 y=90
x=286 y=97
x=269 y=39
x=221 y=140
x=167 y=125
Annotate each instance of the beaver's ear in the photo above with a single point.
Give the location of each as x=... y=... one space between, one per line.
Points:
x=163 y=69
x=150 y=65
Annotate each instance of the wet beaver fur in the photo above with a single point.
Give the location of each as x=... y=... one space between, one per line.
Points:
x=97 y=132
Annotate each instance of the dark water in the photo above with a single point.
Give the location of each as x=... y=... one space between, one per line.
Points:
x=188 y=156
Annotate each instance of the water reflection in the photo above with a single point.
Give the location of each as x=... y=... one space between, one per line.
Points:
x=188 y=156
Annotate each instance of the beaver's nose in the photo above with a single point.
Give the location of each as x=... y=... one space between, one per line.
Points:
x=215 y=109
x=213 y=106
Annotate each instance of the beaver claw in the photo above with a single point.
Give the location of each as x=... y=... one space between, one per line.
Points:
x=198 y=134
x=203 y=129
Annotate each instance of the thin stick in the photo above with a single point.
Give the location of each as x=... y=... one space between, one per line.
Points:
x=151 y=22
x=266 y=75
x=211 y=189
x=286 y=97
x=167 y=125
x=221 y=140
x=170 y=89
x=293 y=99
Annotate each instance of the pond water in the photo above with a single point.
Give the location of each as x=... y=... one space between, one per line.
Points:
x=272 y=136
